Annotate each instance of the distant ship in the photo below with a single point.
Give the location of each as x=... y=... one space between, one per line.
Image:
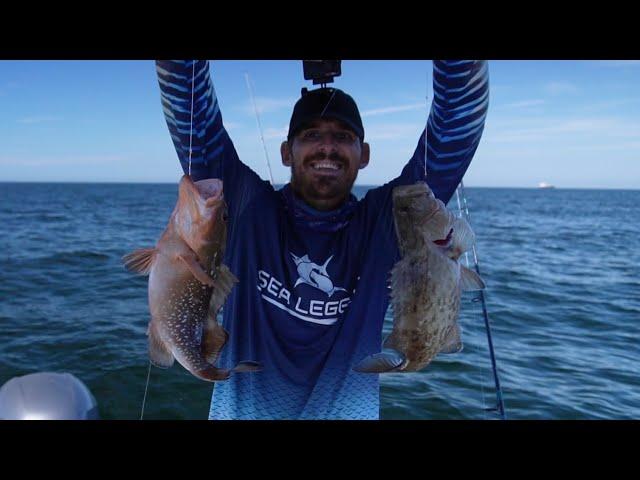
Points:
x=545 y=185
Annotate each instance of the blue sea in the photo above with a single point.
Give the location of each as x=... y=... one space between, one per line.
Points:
x=562 y=269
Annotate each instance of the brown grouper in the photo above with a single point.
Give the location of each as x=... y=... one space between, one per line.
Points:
x=426 y=283
x=188 y=283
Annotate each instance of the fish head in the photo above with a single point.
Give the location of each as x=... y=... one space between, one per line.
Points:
x=200 y=216
x=419 y=216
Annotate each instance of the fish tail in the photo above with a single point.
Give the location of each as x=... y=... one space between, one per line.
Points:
x=213 y=374
x=247 y=366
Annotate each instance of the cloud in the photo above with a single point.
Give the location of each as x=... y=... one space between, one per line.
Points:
x=268 y=105
x=616 y=146
x=560 y=88
x=617 y=63
x=398 y=108
x=524 y=104
x=39 y=119
x=276 y=133
x=593 y=127
x=56 y=160
x=232 y=125
x=393 y=131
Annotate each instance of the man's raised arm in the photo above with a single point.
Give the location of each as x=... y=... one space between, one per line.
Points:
x=455 y=125
x=186 y=89
x=191 y=110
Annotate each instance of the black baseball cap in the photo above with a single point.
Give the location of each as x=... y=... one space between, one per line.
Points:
x=329 y=103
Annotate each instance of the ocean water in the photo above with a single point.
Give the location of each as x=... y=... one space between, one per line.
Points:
x=562 y=269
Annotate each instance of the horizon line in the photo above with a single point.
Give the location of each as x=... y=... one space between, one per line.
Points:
x=118 y=182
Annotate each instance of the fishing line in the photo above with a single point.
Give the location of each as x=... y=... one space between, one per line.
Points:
x=466 y=261
x=426 y=129
x=193 y=79
x=145 y=392
x=255 y=109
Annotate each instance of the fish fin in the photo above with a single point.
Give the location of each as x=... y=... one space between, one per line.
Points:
x=214 y=338
x=213 y=374
x=159 y=353
x=470 y=280
x=381 y=362
x=247 y=366
x=223 y=284
x=453 y=343
x=465 y=238
x=196 y=269
x=140 y=261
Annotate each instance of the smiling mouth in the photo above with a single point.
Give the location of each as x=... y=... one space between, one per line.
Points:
x=326 y=165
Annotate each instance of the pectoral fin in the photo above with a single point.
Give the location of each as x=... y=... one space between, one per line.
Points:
x=214 y=339
x=196 y=269
x=381 y=362
x=140 y=261
x=453 y=343
x=224 y=282
x=470 y=280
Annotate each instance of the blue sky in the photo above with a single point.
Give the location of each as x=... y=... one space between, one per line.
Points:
x=574 y=124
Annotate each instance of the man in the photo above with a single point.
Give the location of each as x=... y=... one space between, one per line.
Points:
x=313 y=262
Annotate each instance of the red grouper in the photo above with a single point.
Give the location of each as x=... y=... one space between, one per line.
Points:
x=188 y=283
x=426 y=283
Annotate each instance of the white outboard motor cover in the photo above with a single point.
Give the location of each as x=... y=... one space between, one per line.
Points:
x=47 y=396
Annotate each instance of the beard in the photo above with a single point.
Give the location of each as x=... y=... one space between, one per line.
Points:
x=329 y=189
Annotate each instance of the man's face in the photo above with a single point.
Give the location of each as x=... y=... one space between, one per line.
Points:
x=324 y=157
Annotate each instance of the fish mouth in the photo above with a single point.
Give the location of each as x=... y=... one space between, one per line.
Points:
x=414 y=190
x=210 y=190
x=445 y=242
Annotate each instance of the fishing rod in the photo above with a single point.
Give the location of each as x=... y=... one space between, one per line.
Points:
x=255 y=109
x=481 y=298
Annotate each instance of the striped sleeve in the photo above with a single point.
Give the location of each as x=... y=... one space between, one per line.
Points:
x=191 y=110
x=196 y=125
x=455 y=125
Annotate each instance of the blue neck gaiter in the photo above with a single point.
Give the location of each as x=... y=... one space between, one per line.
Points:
x=305 y=216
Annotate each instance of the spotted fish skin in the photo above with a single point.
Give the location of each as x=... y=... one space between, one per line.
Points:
x=188 y=283
x=426 y=283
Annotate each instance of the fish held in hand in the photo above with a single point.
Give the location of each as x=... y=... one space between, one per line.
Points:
x=188 y=283
x=426 y=283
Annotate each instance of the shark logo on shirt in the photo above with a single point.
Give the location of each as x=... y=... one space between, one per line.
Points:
x=315 y=275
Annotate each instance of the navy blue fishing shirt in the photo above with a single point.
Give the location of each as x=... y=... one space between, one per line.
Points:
x=313 y=287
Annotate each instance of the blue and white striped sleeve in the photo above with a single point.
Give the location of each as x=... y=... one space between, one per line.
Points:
x=191 y=110
x=455 y=125
x=193 y=116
